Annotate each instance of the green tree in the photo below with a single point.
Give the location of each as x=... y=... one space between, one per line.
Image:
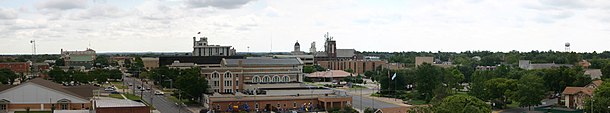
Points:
x=499 y=89
x=8 y=76
x=308 y=69
x=60 y=62
x=462 y=104
x=601 y=99
x=427 y=79
x=530 y=91
x=454 y=79
x=605 y=71
x=192 y=84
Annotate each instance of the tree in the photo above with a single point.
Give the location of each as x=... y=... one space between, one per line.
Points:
x=8 y=76
x=601 y=99
x=453 y=80
x=349 y=70
x=191 y=83
x=60 y=62
x=308 y=69
x=427 y=79
x=530 y=91
x=499 y=89
x=605 y=71
x=462 y=104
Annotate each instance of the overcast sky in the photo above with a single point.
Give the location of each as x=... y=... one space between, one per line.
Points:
x=275 y=25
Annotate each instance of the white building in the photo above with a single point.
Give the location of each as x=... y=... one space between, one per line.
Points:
x=202 y=48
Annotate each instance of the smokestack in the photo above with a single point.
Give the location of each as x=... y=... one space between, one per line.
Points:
x=194 y=41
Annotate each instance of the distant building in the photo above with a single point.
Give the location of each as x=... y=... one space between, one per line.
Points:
x=204 y=61
x=594 y=73
x=17 y=67
x=395 y=66
x=297 y=49
x=584 y=63
x=574 y=97
x=120 y=60
x=41 y=95
x=487 y=68
x=527 y=65
x=79 y=58
x=234 y=75
x=432 y=61
x=150 y=63
x=357 y=66
x=308 y=60
x=202 y=48
x=313 y=49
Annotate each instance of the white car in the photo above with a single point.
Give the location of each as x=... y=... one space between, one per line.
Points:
x=157 y=92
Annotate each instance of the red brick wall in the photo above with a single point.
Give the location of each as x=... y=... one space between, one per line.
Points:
x=18 y=67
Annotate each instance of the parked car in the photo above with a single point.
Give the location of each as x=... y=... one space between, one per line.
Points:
x=157 y=92
x=148 y=88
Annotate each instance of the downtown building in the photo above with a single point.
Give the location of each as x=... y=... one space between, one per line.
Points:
x=79 y=59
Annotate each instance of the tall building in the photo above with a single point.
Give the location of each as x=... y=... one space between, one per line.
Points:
x=312 y=49
x=330 y=46
x=79 y=58
x=202 y=48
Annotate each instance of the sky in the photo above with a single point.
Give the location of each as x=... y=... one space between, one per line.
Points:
x=275 y=25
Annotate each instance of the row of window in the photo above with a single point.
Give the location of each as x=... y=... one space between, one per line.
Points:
x=226 y=75
x=266 y=79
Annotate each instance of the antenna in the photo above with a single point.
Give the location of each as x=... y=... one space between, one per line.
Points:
x=271 y=50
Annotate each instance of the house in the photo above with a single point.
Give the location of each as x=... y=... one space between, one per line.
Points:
x=594 y=73
x=43 y=95
x=574 y=97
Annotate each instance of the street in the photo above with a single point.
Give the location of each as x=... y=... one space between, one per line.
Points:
x=160 y=102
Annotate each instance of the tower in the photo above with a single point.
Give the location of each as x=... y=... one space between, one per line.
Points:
x=312 y=49
x=567 y=45
x=330 y=46
x=297 y=47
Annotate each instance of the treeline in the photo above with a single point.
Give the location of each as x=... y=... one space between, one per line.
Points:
x=78 y=77
x=502 y=86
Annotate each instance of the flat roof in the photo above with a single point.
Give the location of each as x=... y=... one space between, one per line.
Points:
x=106 y=102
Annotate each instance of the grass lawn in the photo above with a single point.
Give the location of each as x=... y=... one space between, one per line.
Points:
x=132 y=97
x=33 y=112
x=118 y=96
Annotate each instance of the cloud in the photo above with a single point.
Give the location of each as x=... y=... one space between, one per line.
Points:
x=62 y=4
x=8 y=14
x=102 y=11
x=223 y=4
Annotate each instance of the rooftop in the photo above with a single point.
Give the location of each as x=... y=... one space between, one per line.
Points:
x=327 y=74
x=112 y=102
x=235 y=62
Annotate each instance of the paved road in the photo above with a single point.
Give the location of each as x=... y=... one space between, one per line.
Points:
x=160 y=102
x=362 y=102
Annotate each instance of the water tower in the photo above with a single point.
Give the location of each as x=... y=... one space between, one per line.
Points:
x=567 y=47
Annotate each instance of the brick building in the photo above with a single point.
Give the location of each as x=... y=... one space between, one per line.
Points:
x=357 y=66
x=44 y=95
x=17 y=67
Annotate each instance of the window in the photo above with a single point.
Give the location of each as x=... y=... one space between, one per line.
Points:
x=216 y=83
x=294 y=104
x=215 y=75
x=4 y=104
x=236 y=83
x=286 y=78
x=228 y=83
x=228 y=75
x=256 y=105
x=266 y=79
x=276 y=78
x=256 y=79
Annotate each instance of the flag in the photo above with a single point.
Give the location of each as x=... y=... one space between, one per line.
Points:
x=393 y=76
